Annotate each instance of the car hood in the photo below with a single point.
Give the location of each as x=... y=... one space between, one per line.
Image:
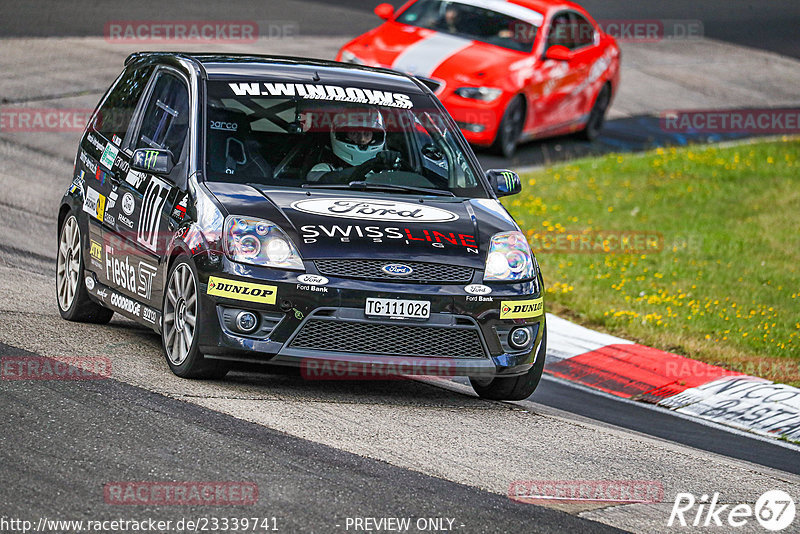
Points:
x=358 y=225
x=431 y=54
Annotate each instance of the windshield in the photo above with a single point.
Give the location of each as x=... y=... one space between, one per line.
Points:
x=329 y=136
x=490 y=21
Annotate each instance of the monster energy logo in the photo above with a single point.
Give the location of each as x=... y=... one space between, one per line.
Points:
x=510 y=180
x=150 y=157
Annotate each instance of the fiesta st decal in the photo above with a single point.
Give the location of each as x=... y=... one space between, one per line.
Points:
x=373 y=210
x=323 y=92
x=234 y=289
x=521 y=309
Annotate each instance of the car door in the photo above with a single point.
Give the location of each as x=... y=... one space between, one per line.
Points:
x=146 y=203
x=585 y=52
x=103 y=163
x=556 y=80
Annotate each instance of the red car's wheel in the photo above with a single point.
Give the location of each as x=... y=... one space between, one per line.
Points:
x=505 y=144
x=598 y=115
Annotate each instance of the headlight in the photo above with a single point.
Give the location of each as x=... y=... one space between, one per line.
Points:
x=260 y=242
x=486 y=94
x=509 y=258
x=349 y=57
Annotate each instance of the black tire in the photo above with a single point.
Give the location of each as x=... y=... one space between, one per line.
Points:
x=597 y=116
x=180 y=322
x=72 y=297
x=507 y=139
x=514 y=388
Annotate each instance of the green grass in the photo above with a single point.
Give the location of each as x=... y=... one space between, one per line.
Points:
x=721 y=287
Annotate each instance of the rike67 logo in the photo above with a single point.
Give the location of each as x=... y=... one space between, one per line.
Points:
x=774 y=510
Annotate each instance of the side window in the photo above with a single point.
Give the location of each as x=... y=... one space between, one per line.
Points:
x=114 y=116
x=560 y=31
x=166 y=119
x=584 y=31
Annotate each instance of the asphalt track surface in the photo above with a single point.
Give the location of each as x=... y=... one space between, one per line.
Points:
x=61 y=441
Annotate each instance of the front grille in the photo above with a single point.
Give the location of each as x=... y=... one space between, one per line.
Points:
x=388 y=339
x=424 y=273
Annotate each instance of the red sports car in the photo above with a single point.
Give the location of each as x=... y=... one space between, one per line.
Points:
x=507 y=71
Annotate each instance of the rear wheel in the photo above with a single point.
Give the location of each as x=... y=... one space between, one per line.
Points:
x=597 y=116
x=513 y=388
x=505 y=144
x=180 y=322
x=73 y=298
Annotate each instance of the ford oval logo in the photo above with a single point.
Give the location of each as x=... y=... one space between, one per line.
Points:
x=397 y=269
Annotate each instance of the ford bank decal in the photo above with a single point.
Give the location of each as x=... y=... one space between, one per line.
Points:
x=373 y=210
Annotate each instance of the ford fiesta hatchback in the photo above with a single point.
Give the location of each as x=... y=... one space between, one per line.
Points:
x=298 y=212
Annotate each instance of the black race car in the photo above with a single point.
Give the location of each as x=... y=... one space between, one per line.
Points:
x=298 y=212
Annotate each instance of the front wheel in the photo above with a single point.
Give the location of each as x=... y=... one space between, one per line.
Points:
x=597 y=116
x=513 y=388
x=73 y=299
x=181 y=311
x=505 y=144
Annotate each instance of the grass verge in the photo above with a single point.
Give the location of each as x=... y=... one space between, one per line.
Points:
x=692 y=250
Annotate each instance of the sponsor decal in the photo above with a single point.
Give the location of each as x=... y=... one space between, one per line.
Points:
x=94 y=204
x=89 y=283
x=179 y=212
x=225 y=126
x=397 y=269
x=521 y=309
x=128 y=204
x=77 y=182
x=378 y=234
x=112 y=199
x=149 y=160
x=122 y=164
x=323 y=92
x=109 y=156
x=125 y=304
x=478 y=289
x=135 y=178
x=373 y=210
x=234 y=289
x=153 y=203
x=124 y=220
x=128 y=274
x=95 y=142
x=100 y=175
x=95 y=250
x=116 y=140
x=109 y=219
x=102 y=294
x=149 y=315
x=88 y=163
x=312 y=279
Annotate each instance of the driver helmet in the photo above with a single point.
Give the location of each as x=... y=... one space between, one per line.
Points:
x=358 y=135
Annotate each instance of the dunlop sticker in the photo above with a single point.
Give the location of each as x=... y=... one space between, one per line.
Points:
x=234 y=289
x=521 y=309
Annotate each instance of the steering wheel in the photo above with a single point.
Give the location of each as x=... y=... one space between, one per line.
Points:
x=384 y=160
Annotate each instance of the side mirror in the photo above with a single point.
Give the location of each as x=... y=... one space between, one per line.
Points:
x=155 y=161
x=559 y=53
x=504 y=182
x=384 y=11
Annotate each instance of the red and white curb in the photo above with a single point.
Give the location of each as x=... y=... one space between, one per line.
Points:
x=696 y=389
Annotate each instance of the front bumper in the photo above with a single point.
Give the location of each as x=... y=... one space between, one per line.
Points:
x=306 y=324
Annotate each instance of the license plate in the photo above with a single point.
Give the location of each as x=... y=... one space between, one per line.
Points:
x=411 y=309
